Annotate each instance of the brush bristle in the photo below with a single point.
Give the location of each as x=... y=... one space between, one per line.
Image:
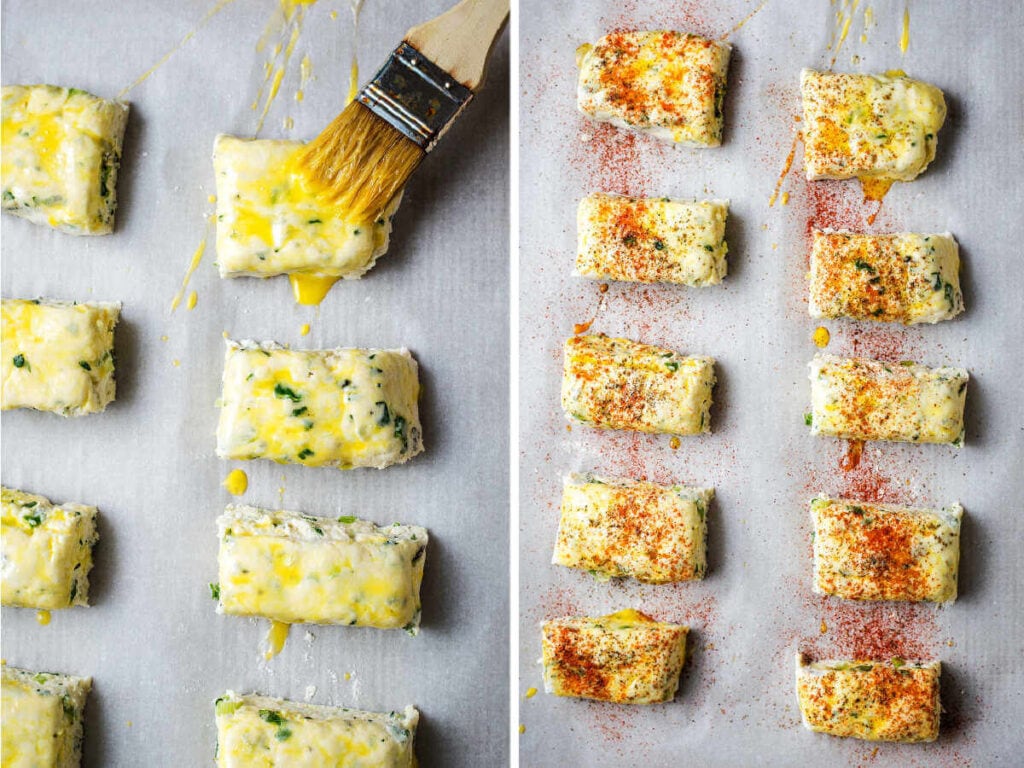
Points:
x=361 y=161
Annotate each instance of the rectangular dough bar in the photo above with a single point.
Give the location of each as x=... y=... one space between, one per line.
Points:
x=625 y=658
x=869 y=126
x=270 y=220
x=866 y=551
x=296 y=568
x=621 y=384
x=61 y=149
x=668 y=84
x=260 y=732
x=904 y=278
x=653 y=533
x=652 y=240
x=340 y=408
x=860 y=399
x=47 y=551
x=892 y=700
x=42 y=715
x=57 y=356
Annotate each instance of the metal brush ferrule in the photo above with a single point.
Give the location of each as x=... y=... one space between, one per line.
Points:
x=415 y=96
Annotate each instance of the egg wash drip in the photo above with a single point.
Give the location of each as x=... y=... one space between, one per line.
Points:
x=311 y=289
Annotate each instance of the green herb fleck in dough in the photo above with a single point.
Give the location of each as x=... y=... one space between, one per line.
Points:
x=347 y=519
x=400 y=432
x=215 y=591
x=271 y=716
x=85 y=365
x=19 y=361
x=305 y=453
x=284 y=391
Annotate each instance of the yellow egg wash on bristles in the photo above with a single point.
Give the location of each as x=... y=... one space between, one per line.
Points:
x=192 y=299
x=522 y=728
x=360 y=162
x=905 y=35
x=276 y=637
x=304 y=329
x=197 y=257
x=211 y=198
x=237 y=482
x=43 y=617
x=531 y=692
x=821 y=336
x=217 y=8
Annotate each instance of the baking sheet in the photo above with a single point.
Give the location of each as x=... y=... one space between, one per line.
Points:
x=755 y=609
x=158 y=653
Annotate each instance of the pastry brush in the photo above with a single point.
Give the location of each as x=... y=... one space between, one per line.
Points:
x=370 y=150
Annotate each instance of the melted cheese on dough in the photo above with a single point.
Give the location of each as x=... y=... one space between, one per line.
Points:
x=872 y=700
x=860 y=399
x=260 y=732
x=42 y=718
x=337 y=407
x=866 y=551
x=652 y=240
x=653 y=533
x=46 y=551
x=869 y=126
x=903 y=278
x=625 y=657
x=622 y=384
x=294 y=568
x=668 y=84
x=57 y=356
x=60 y=149
x=270 y=220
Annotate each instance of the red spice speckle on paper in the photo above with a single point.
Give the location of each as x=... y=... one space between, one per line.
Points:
x=865 y=483
x=886 y=344
x=876 y=631
x=834 y=205
x=694 y=16
x=613 y=160
x=558 y=603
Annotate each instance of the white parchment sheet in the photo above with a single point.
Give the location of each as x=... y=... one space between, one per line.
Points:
x=736 y=705
x=158 y=653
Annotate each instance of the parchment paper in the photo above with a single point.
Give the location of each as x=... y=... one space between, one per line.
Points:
x=158 y=653
x=736 y=705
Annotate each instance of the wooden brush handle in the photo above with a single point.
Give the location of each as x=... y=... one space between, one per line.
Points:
x=459 y=41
